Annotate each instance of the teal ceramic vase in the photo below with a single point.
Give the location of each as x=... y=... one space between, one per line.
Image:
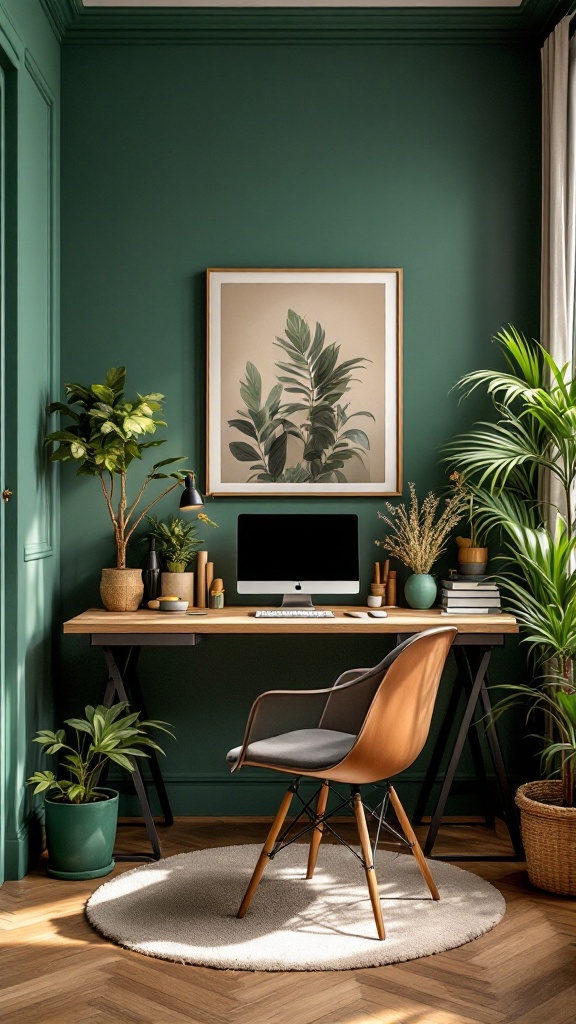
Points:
x=80 y=837
x=420 y=590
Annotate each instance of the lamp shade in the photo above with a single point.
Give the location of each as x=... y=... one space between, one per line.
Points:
x=191 y=497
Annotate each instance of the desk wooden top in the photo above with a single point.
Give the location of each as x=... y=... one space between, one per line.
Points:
x=242 y=620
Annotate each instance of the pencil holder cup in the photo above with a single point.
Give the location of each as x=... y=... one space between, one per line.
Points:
x=377 y=589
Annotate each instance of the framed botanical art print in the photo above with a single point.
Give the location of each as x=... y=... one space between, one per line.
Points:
x=304 y=382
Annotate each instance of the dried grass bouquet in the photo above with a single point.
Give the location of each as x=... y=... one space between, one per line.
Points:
x=418 y=538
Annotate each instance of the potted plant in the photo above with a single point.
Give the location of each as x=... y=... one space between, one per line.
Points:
x=535 y=409
x=177 y=543
x=418 y=539
x=472 y=554
x=80 y=815
x=107 y=433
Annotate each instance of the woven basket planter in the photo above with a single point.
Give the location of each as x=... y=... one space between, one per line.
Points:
x=121 y=590
x=549 y=836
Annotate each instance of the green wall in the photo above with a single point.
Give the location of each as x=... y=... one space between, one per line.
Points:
x=180 y=157
x=30 y=222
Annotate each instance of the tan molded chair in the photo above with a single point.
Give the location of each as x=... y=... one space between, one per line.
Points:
x=368 y=727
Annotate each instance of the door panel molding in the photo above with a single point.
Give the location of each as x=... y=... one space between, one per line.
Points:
x=43 y=545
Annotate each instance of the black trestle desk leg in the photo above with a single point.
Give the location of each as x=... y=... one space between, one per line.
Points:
x=115 y=686
x=136 y=699
x=461 y=687
x=466 y=676
x=457 y=752
x=508 y=805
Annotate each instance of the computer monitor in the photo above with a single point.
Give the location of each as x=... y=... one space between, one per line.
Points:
x=297 y=554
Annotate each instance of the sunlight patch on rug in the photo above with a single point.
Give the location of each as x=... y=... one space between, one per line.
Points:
x=184 y=909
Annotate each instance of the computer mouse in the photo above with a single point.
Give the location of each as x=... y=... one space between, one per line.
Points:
x=378 y=615
x=357 y=615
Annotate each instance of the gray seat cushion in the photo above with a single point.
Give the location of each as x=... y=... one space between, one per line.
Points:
x=302 y=750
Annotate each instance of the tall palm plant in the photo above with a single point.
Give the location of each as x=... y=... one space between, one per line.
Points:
x=534 y=429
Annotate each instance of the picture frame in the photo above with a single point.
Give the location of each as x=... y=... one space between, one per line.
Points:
x=304 y=394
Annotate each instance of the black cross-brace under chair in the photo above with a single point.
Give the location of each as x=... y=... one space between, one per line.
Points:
x=368 y=727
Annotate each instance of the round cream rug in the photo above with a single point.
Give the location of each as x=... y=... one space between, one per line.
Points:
x=183 y=908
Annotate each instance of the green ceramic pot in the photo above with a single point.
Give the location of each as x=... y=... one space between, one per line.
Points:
x=420 y=590
x=80 y=837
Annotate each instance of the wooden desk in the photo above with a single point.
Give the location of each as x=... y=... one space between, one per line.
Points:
x=98 y=622
x=122 y=635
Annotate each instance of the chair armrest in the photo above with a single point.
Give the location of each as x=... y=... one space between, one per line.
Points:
x=280 y=711
x=350 y=675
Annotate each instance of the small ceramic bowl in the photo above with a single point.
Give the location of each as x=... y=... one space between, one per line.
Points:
x=173 y=606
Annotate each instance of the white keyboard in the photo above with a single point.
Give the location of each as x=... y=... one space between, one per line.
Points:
x=293 y=613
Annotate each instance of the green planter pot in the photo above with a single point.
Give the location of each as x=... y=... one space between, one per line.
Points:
x=420 y=590
x=80 y=837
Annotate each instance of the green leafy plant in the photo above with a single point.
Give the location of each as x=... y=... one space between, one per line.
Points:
x=105 y=734
x=321 y=429
x=106 y=434
x=418 y=536
x=535 y=428
x=467 y=493
x=176 y=540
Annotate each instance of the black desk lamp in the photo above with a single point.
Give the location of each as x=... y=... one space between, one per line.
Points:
x=191 y=499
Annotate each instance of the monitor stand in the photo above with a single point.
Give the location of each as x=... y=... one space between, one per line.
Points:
x=297 y=601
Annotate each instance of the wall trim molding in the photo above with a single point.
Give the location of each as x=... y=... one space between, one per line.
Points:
x=72 y=23
x=44 y=547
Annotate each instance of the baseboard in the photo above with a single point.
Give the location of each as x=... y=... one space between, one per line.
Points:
x=23 y=847
x=247 y=795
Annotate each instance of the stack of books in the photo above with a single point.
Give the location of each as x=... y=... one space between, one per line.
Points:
x=466 y=595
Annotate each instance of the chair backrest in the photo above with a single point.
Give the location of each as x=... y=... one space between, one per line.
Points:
x=353 y=692
x=397 y=720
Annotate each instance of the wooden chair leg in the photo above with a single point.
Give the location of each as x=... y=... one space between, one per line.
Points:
x=416 y=849
x=266 y=849
x=318 y=831
x=369 y=865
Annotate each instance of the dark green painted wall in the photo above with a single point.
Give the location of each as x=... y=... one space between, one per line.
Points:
x=177 y=158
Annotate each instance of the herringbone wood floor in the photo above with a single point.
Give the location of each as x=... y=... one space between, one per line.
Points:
x=55 y=970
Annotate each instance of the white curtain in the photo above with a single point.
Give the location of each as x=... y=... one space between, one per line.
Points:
x=557 y=288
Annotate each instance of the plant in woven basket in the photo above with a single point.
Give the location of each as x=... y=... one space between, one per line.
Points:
x=418 y=534
x=534 y=429
x=106 y=434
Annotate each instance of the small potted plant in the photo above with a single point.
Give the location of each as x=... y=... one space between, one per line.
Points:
x=80 y=815
x=107 y=433
x=417 y=540
x=472 y=555
x=177 y=543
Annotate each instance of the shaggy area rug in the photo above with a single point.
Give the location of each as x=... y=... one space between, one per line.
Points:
x=183 y=909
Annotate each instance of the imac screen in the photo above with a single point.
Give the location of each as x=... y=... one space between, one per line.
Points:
x=315 y=553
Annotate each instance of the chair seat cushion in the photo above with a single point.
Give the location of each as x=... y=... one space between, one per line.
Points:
x=302 y=750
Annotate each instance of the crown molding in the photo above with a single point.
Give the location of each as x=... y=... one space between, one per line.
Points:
x=62 y=15
x=73 y=23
